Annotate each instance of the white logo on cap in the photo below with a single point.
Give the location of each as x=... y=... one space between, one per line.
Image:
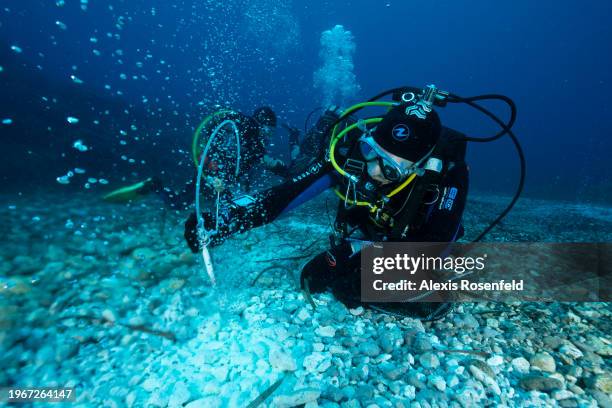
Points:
x=401 y=132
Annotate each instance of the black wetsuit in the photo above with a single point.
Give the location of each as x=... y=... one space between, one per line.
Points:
x=428 y=210
x=310 y=148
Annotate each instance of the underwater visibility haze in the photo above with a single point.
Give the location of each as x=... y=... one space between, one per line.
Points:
x=191 y=189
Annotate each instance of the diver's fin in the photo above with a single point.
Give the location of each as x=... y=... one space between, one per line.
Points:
x=131 y=192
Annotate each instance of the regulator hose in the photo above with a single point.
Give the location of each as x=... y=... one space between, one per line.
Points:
x=506 y=129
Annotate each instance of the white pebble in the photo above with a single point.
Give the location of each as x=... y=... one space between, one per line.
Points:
x=108 y=315
x=520 y=364
x=281 y=360
x=495 y=361
x=571 y=351
x=438 y=382
x=357 y=311
x=326 y=331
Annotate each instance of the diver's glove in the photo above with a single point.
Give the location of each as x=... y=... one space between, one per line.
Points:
x=191 y=230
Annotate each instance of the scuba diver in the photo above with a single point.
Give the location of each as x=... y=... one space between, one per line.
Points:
x=401 y=177
x=313 y=144
x=254 y=133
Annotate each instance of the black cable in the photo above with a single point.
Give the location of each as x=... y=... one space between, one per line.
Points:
x=517 y=145
x=470 y=101
x=412 y=89
x=518 y=192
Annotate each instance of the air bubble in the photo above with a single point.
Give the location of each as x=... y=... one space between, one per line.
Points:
x=80 y=146
x=63 y=180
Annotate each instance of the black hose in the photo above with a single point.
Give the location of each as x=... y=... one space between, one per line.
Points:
x=518 y=192
x=412 y=89
x=506 y=129
x=470 y=101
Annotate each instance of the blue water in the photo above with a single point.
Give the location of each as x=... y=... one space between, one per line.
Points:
x=165 y=64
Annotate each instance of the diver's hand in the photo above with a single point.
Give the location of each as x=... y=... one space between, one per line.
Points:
x=191 y=231
x=271 y=162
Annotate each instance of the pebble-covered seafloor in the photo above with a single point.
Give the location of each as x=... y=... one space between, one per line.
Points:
x=108 y=299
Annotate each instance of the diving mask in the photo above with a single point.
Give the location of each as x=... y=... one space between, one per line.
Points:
x=393 y=168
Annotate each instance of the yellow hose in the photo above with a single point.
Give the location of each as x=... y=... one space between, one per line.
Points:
x=332 y=155
x=401 y=186
x=361 y=106
x=335 y=139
